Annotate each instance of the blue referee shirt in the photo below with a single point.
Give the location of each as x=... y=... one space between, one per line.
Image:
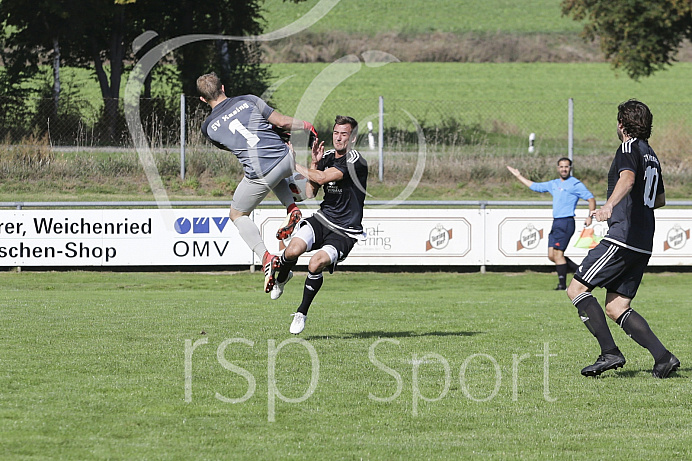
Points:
x=565 y=194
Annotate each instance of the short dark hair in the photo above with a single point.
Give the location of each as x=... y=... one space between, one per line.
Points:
x=563 y=159
x=345 y=120
x=209 y=86
x=636 y=119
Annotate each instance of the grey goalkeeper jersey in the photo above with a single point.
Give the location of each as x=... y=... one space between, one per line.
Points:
x=240 y=125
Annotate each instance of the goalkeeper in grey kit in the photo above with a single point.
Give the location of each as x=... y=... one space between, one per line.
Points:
x=245 y=125
x=334 y=229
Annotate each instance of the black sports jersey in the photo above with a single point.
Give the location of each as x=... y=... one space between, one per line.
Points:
x=239 y=124
x=632 y=222
x=344 y=199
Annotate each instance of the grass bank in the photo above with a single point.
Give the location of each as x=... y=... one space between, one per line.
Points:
x=469 y=173
x=364 y=17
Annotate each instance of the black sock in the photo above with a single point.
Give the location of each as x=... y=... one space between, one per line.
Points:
x=284 y=268
x=571 y=265
x=313 y=283
x=593 y=317
x=561 y=275
x=638 y=329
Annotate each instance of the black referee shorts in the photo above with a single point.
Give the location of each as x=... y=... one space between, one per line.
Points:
x=561 y=233
x=613 y=267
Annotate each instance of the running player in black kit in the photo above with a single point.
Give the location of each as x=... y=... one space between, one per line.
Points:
x=336 y=227
x=617 y=263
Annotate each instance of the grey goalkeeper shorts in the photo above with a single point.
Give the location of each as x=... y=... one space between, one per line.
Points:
x=251 y=192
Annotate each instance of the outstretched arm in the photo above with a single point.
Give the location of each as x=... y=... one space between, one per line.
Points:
x=317 y=178
x=289 y=123
x=524 y=181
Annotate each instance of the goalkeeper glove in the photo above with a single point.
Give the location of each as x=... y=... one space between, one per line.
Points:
x=307 y=126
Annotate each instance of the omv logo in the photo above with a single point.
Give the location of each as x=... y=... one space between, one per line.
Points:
x=199 y=225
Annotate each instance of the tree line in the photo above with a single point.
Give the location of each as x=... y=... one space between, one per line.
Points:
x=96 y=35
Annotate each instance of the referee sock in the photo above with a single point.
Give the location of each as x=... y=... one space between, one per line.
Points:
x=285 y=266
x=593 y=317
x=638 y=329
x=313 y=283
x=571 y=265
x=561 y=275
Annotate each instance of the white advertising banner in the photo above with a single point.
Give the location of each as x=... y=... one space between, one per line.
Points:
x=672 y=245
x=405 y=237
x=520 y=236
x=148 y=237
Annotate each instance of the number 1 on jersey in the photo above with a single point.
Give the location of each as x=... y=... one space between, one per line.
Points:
x=252 y=139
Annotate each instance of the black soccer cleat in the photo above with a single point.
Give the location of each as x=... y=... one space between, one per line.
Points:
x=603 y=363
x=560 y=288
x=665 y=367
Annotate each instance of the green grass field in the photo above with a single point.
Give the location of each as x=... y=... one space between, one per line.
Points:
x=490 y=82
x=528 y=96
x=459 y=82
x=361 y=16
x=99 y=365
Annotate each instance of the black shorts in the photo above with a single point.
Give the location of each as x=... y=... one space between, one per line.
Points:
x=613 y=267
x=561 y=233
x=324 y=236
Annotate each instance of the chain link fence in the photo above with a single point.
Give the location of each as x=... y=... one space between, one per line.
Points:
x=504 y=127
x=84 y=123
x=446 y=127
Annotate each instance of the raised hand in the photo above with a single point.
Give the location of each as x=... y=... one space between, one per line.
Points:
x=317 y=151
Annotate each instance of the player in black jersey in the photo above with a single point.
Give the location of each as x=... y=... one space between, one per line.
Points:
x=617 y=263
x=336 y=227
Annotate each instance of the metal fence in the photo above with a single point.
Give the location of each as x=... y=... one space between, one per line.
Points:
x=87 y=123
x=498 y=126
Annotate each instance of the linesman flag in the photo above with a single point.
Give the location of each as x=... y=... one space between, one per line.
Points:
x=587 y=239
